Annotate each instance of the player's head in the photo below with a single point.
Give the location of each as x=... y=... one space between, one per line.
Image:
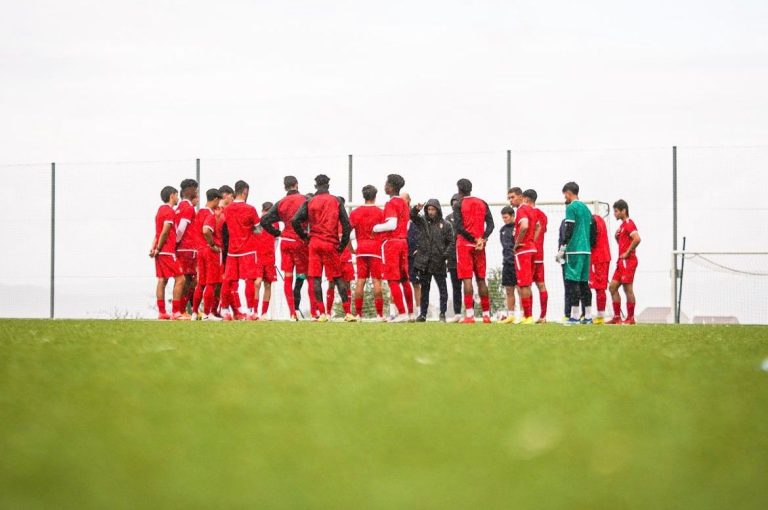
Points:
x=508 y=214
x=266 y=206
x=188 y=188
x=227 y=195
x=369 y=194
x=621 y=209
x=241 y=190
x=464 y=186
x=169 y=195
x=212 y=197
x=407 y=197
x=515 y=196
x=455 y=198
x=570 y=192
x=322 y=182
x=394 y=184
x=309 y=195
x=530 y=196
x=291 y=183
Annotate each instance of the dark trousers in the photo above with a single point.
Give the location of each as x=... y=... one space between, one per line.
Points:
x=426 y=282
x=458 y=291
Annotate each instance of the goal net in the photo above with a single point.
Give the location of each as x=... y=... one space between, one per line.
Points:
x=722 y=287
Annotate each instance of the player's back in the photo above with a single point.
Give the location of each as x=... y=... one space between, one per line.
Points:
x=286 y=210
x=473 y=211
x=396 y=207
x=323 y=213
x=578 y=213
x=166 y=214
x=601 y=252
x=204 y=217
x=265 y=246
x=240 y=220
x=363 y=219
x=186 y=212
x=525 y=211
x=541 y=221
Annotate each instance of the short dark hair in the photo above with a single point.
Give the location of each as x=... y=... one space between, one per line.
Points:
x=621 y=205
x=396 y=181
x=290 y=181
x=226 y=189
x=240 y=187
x=266 y=206
x=166 y=192
x=508 y=210
x=309 y=195
x=531 y=194
x=515 y=190
x=572 y=187
x=369 y=192
x=212 y=194
x=322 y=180
x=464 y=186
x=188 y=183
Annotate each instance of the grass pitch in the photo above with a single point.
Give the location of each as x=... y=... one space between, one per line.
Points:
x=125 y=414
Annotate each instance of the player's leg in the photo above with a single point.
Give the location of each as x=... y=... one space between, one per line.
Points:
x=478 y=262
x=287 y=265
x=266 y=297
x=510 y=298
x=538 y=278
x=465 y=271
x=160 y=295
x=442 y=288
x=613 y=288
x=391 y=273
x=456 y=289
x=524 y=270
x=405 y=280
x=629 y=291
x=317 y=288
x=178 y=292
x=425 y=284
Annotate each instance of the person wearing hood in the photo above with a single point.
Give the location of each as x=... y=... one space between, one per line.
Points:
x=435 y=242
x=456 y=285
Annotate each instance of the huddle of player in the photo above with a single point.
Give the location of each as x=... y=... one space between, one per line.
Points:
x=208 y=252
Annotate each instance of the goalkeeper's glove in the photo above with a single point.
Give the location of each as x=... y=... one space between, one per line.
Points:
x=560 y=257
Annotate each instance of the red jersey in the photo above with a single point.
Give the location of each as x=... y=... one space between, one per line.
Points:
x=541 y=221
x=362 y=219
x=165 y=214
x=185 y=212
x=397 y=208
x=324 y=211
x=265 y=247
x=526 y=244
x=286 y=209
x=601 y=252
x=475 y=217
x=206 y=221
x=241 y=219
x=623 y=236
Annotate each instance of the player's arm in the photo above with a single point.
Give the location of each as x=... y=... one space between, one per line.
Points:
x=269 y=219
x=181 y=229
x=346 y=228
x=537 y=232
x=300 y=217
x=208 y=235
x=459 y=222
x=635 y=241
x=489 y=225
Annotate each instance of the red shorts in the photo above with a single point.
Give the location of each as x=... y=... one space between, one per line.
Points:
x=394 y=261
x=187 y=261
x=241 y=267
x=598 y=275
x=524 y=267
x=166 y=266
x=625 y=271
x=293 y=254
x=323 y=255
x=209 y=267
x=469 y=261
x=347 y=271
x=538 y=271
x=267 y=272
x=368 y=267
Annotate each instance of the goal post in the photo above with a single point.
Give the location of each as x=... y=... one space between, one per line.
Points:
x=719 y=287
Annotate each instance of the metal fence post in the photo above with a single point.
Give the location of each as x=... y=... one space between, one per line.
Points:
x=509 y=168
x=676 y=317
x=197 y=178
x=349 y=190
x=53 y=239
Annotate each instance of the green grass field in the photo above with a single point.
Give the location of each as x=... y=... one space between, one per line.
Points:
x=122 y=414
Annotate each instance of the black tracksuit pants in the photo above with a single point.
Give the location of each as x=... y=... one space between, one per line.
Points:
x=426 y=282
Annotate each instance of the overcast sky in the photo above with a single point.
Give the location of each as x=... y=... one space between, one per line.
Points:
x=86 y=81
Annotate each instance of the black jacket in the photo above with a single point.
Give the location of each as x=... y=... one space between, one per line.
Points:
x=452 y=253
x=507 y=235
x=435 y=240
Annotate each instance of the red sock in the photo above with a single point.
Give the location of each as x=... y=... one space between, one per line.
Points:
x=346 y=305
x=469 y=302
x=527 y=303
x=176 y=306
x=617 y=308
x=329 y=298
x=379 y=304
x=544 y=298
x=197 y=298
x=208 y=299
x=216 y=301
x=288 y=290
x=396 y=293
x=235 y=291
x=183 y=303
x=225 y=295
x=313 y=309
x=408 y=294
x=264 y=307
x=601 y=299
x=485 y=303
x=630 y=310
x=359 y=306
x=251 y=300
x=161 y=306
